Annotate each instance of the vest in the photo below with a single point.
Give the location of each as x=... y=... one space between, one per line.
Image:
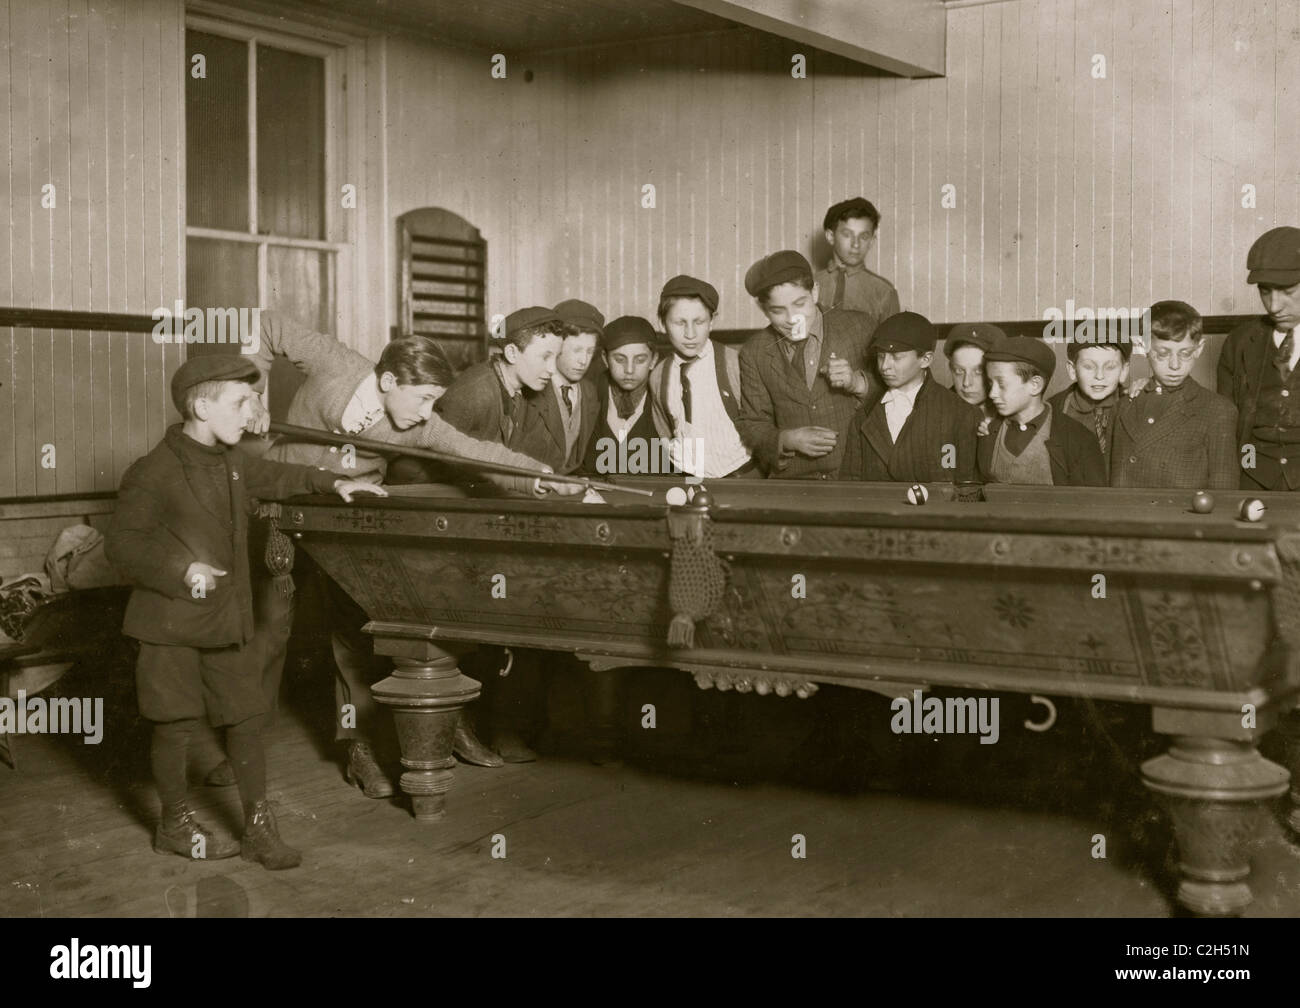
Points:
x=1032 y=466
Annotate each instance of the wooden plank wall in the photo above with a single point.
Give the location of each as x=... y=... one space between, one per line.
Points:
x=94 y=107
x=1114 y=191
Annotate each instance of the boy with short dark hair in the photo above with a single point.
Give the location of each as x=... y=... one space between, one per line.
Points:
x=179 y=534
x=850 y=228
x=1176 y=433
x=1030 y=442
x=802 y=378
x=1098 y=372
x=917 y=431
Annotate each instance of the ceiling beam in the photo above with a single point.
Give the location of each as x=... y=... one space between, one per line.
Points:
x=905 y=37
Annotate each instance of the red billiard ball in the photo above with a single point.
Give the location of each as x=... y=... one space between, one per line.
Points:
x=1202 y=503
x=1252 y=510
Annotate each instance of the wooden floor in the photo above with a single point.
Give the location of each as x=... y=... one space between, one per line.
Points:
x=678 y=830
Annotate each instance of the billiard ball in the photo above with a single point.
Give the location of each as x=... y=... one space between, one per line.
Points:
x=675 y=496
x=917 y=494
x=702 y=498
x=1252 y=509
x=1202 y=503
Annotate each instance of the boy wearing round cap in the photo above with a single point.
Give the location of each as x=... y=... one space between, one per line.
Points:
x=625 y=439
x=1030 y=442
x=1097 y=371
x=918 y=431
x=1258 y=365
x=965 y=348
x=179 y=534
x=804 y=376
x=850 y=228
x=559 y=420
x=695 y=390
x=1175 y=433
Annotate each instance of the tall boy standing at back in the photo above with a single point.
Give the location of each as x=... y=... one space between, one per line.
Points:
x=179 y=534
x=850 y=228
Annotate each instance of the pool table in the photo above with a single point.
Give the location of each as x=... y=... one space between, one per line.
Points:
x=778 y=586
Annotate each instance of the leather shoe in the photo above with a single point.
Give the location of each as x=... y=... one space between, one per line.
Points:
x=467 y=747
x=512 y=748
x=363 y=769
x=180 y=833
x=221 y=775
x=262 y=841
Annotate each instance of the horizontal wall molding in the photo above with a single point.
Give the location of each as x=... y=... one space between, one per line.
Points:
x=56 y=318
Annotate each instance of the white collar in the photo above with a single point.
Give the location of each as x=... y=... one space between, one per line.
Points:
x=906 y=393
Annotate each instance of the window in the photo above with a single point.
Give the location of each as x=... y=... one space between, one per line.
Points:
x=263 y=115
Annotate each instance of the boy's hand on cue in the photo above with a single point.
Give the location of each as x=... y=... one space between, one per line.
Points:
x=346 y=488
x=202 y=575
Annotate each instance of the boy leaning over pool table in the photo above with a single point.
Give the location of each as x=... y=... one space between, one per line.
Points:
x=179 y=535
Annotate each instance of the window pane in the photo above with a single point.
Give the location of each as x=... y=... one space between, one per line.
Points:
x=300 y=284
x=219 y=274
x=216 y=133
x=290 y=143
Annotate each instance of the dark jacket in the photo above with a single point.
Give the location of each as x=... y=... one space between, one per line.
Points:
x=473 y=404
x=184 y=503
x=1071 y=449
x=1192 y=446
x=776 y=396
x=939 y=418
x=1247 y=353
x=644 y=428
x=541 y=427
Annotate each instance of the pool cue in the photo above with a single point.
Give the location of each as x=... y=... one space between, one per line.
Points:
x=386 y=448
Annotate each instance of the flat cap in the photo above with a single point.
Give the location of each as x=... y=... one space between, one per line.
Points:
x=580 y=314
x=785 y=266
x=904 y=331
x=211 y=367
x=628 y=329
x=857 y=207
x=526 y=318
x=689 y=286
x=1275 y=257
x=1026 y=349
x=977 y=334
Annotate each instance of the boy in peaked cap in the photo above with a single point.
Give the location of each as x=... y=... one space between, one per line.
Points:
x=917 y=431
x=625 y=439
x=965 y=348
x=850 y=228
x=1030 y=442
x=1258 y=367
x=804 y=376
x=1098 y=372
x=179 y=534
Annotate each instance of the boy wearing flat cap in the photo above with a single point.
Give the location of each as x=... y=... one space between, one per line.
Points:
x=1030 y=442
x=559 y=419
x=1175 y=433
x=850 y=228
x=1098 y=371
x=179 y=534
x=804 y=376
x=965 y=348
x=1258 y=367
x=918 y=431
x=695 y=390
x=625 y=439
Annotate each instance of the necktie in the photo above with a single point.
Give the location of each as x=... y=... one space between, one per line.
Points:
x=566 y=393
x=624 y=402
x=1099 y=418
x=838 y=299
x=1283 y=356
x=686 y=391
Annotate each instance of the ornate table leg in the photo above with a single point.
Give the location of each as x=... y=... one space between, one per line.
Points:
x=1289 y=729
x=1214 y=791
x=427 y=693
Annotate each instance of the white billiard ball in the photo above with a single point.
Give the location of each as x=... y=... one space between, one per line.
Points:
x=676 y=496
x=917 y=494
x=1252 y=509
